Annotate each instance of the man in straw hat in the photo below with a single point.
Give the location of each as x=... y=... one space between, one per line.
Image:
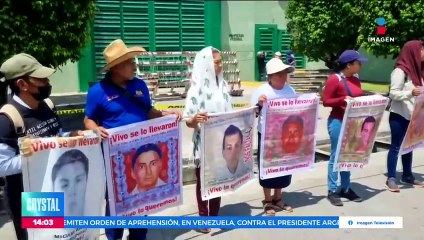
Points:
x=28 y=113
x=117 y=100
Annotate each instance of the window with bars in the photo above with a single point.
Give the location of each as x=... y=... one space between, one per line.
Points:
x=178 y=25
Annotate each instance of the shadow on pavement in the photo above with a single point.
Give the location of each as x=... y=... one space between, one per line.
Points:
x=238 y=210
x=301 y=199
x=4 y=219
x=166 y=234
x=365 y=192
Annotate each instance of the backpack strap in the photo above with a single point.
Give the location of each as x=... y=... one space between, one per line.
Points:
x=15 y=117
x=49 y=103
x=343 y=79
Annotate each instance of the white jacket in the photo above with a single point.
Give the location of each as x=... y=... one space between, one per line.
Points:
x=401 y=94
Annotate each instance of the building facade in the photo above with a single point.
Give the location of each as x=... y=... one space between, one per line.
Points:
x=245 y=27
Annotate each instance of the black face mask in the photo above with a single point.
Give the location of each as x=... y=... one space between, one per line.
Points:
x=43 y=93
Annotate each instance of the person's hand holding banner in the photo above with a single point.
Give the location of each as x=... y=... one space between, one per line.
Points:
x=416 y=91
x=25 y=147
x=102 y=132
x=179 y=115
x=349 y=98
x=76 y=133
x=200 y=117
x=262 y=100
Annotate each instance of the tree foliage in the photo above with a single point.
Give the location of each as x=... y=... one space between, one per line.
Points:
x=404 y=22
x=323 y=29
x=53 y=31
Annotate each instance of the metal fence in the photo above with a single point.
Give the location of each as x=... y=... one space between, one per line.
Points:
x=172 y=71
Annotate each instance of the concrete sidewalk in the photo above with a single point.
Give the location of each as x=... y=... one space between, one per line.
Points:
x=307 y=194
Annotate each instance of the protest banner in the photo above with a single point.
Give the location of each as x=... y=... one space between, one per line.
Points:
x=414 y=137
x=74 y=166
x=226 y=156
x=358 y=131
x=144 y=167
x=288 y=135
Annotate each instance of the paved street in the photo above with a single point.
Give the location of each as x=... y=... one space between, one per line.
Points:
x=307 y=195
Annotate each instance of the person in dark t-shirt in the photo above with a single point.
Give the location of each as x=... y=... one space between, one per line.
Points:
x=29 y=84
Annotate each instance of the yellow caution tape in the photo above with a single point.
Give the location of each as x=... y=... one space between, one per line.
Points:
x=159 y=107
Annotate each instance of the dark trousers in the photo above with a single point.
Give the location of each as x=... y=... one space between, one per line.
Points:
x=14 y=189
x=398 y=127
x=116 y=233
x=214 y=204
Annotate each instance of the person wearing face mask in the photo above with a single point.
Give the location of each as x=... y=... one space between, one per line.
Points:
x=29 y=84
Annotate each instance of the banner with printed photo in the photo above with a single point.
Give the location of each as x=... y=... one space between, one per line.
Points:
x=414 y=137
x=288 y=135
x=144 y=167
x=71 y=165
x=359 y=129
x=226 y=160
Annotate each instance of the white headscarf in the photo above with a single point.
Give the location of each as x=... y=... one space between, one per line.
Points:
x=205 y=95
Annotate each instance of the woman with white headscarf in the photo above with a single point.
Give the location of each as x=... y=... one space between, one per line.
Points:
x=208 y=93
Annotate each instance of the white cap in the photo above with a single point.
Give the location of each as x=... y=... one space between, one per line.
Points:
x=276 y=65
x=277 y=54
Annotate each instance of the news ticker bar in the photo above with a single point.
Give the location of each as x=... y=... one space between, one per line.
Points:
x=328 y=222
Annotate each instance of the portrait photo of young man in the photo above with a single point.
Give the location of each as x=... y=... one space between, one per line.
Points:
x=147 y=165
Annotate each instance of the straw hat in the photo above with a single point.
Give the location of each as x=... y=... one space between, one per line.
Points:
x=117 y=52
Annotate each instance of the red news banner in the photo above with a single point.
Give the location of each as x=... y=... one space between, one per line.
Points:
x=43 y=222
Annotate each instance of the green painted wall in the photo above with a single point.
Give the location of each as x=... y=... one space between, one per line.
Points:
x=65 y=79
x=213 y=24
x=237 y=17
x=240 y=17
x=377 y=69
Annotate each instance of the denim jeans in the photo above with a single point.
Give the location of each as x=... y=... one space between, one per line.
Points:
x=334 y=127
x=398 y=127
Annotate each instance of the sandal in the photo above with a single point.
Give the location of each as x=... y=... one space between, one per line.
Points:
x=280 y=206
x=268 y=208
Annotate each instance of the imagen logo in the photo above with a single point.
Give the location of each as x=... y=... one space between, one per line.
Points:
x=381 y=28
x=381 y=32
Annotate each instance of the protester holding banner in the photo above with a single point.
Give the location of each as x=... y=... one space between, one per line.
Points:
x=276 y=87
x=208 y=93
x=30 y=108
x=339 y=87
x=406 y=83
x=120 y=99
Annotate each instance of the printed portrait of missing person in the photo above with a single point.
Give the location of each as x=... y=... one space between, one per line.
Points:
x=292 y=134
x=70 y=175
x=147 y=165
x=416 y=129
x=232 y=154
x=366 y=134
